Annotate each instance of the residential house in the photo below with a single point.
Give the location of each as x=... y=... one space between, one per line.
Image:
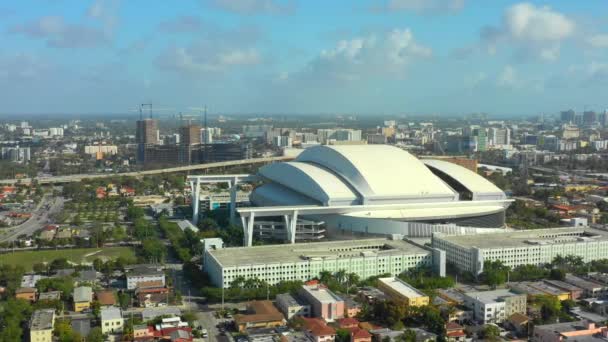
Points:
x=83 y=296
x=454 y=332
x=260 y=314
x=49 y=296
x=26 y=293
x=106 y=298
x=347 y=323
x=82 y=326
x=318 y=331
x=41 y=325
x=351 y=307
x=111 y=320
x=519 y=323
x=360 y=335
x=150 y=300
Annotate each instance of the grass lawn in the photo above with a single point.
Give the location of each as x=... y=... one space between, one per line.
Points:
x=79 y=255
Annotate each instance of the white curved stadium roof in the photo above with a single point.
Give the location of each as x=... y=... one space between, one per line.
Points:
x=380 y=173
x=479 y=186
x=366 y=175
x=312 y=181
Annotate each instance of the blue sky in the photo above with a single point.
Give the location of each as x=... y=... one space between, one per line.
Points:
x=296 y=56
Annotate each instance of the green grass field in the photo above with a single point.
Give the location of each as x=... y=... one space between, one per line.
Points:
x=80 y=255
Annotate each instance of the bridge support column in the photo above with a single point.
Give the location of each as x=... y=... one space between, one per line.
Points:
x=247 y=222
x=233 y=189
x=195 y=186
x=291 y=222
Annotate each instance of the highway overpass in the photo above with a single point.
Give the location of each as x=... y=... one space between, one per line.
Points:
x=207 y=166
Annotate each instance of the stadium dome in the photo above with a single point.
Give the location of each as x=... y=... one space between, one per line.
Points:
x=375 y=176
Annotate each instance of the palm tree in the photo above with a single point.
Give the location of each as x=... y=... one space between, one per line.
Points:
x=324 y=276
x=340 y=276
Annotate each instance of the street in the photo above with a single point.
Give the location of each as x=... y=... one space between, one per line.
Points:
x=39 y=218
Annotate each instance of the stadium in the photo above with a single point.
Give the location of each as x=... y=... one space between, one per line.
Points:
x=380 y=189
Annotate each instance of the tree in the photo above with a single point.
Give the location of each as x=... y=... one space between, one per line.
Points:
x=63 y=331
x=408 y=335
x=153 y=250
x=342 y=335
x=494 y=273
x=550 y=309
x=557 y=274
x=95 y=335
x=490 y=332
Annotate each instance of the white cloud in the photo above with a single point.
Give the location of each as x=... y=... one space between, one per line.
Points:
x=191 y=60
x=422 y=5
x=472 y=81
x=251 y=7
x=368 y=56
x=61 y=34
x=598 y=41
x=531 y=31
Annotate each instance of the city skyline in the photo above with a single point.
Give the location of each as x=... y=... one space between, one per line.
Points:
x=269 y=56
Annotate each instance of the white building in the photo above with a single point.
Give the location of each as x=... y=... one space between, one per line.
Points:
x=41 y=325
x=305 y=261
x=145 y=275
x=16 y=154
x=105 y=149
x=534 y=247
x=495 y=306
x=282 y=141
x=56 y=131
x=111 y=320
x=292 y=306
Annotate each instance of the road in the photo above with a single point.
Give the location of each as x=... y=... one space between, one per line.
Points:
x=39 y=219
x=207 y=166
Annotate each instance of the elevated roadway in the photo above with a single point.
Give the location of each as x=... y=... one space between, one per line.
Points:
x=207 y=166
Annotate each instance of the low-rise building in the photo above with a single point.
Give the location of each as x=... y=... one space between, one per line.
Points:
x=590 y=288
x=538 y=288
x=83 y=296
x=144 y=275
x=351 y=307
x=49 y=296
x=276 y=263
x=318 y=331
x=402 y=292
x=495 y=306
x=26 y=293
x=575 y=291
x=360 y=335
x=454 y=332
x=514 y=248
x=324 y=303
x=519 y=323
x=41 y=325
x=106 y=298
x=260 y=314
x=292 y=306
x=82 y=326
x=111 y=320
x=575 y=331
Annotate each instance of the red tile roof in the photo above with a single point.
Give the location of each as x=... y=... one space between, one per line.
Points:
x=317 y=327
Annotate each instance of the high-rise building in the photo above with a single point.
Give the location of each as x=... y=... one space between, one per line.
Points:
x=589 y=117
x=567 y=116
x=190 y=135
x=481 y=137
x=16 y=154
x=147 y=132
x=499 y=136
x=206 y=135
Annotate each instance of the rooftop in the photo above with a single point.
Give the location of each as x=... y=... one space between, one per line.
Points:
x=42 y=319
x=525 y=238
x=277 y=254
x=110 y=313
x=145 y=271
x=321 y=293
x=83 y=294
x=260 y=311
x=488 y=297
x=402 y=287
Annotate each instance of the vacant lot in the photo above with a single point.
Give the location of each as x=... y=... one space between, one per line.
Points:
x=77 y=256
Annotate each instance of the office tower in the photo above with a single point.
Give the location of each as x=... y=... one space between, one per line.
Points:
x=567 y=116
x=499 y=136
x=589 y=118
